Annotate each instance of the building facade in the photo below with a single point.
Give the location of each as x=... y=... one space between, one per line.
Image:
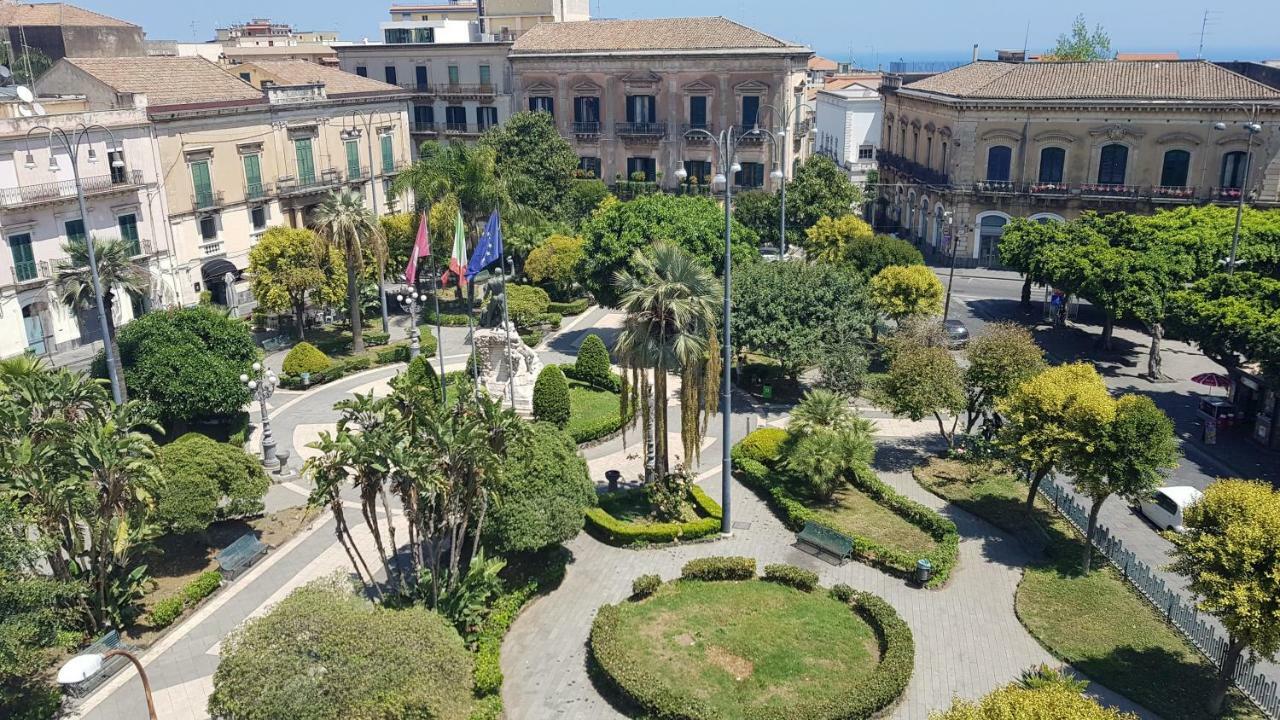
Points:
x=847 y=125
x=262 y=32
x=40 y=216
x=964 y=151
x=504 y=19
x=61 y=30
x=633 y=97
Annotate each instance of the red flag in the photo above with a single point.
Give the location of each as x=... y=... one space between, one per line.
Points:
x=421 y=248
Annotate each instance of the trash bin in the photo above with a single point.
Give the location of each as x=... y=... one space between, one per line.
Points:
x=766 y=392
x=306 y=379
x=924 y=570
x=612 y=476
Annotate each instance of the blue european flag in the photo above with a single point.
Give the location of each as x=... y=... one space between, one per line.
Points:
x=489 y=249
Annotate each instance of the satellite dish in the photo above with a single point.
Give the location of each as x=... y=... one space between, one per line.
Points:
x=24 y=111
x=39 y=109
x=25 y=94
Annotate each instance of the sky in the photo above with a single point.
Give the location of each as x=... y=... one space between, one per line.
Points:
x=869 y=33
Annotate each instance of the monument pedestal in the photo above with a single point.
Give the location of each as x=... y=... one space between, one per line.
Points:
x=503 y=364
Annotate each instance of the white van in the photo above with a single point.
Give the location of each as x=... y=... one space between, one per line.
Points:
x=1165 y=506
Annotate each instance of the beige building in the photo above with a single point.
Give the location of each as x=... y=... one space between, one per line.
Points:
x=990 y=141
x=239 y=158
x=628 y=93
x=504 y=19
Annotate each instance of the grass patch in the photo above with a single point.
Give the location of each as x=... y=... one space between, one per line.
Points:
x=1098 y=623
x=624 y=518
x=853 y=513
x=590 y=408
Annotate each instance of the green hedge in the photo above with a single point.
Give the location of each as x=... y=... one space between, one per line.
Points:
x=171 y=608
x=548 y=318
x=446 y=319
x=612 y=384
x=305 y=357
x=608 y=529
x=573 y=307
x=719 y=568
x=645 y=585
x=763 y=445
x=886 y=683
x=797 y=577
x=551 y=397
x=391 y=354
x=532 y=338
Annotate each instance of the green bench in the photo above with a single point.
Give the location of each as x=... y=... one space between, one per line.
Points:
x=272 y=344
x=101 y=646
x=825 y=539
x=239 y=555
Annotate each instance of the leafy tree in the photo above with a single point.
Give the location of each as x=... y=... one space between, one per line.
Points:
x=903 y=292
x=926 y=381
x=27 y=63
x=1124 y=457
x=819 y=189
x=830 y=239
x=323 y=653
x=798 y=313
x=1233 y=319
x=614 y=234
x=544 y=489
x=583 y=199
x=1230 y=553
x=551 y=397
x=554 y=263
x=1080 y=44
x=350 y=228
x=525 y=303
x=1022 y=247
x=421 y=374
x=1049 y=418
x=305 y=358
x=759 y=211
x=290 y=266
x=820 y=410
x=117 y=270
x=1000 y=359
x=535 y=160
x=1051 y=700
x=872 y=254
x=205 y=481
x=464 y=176
x=593 y=364
x=827 y=441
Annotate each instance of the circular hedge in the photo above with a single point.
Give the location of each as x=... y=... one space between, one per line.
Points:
x=709 y=650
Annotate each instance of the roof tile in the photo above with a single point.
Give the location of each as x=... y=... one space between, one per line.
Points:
x=31 y=14
x=168 y=81
x=336 y=82
x=694 y=33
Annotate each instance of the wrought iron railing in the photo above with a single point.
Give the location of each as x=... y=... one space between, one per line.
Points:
x=326 y=178
x=464 y=89
x=586 y=127
x=906 y=166
x=207 y=199
x=64 y=189
x=424 y=127
x=641 y=129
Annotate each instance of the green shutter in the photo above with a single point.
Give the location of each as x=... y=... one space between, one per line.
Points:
x=24 y=261
x=129 y=233
x=253 y=176
x=203 y=186
x=484 y=75
x=75 y=231
x=388 y=154
x=353 y=159
x=306 y=166
x=453 y=75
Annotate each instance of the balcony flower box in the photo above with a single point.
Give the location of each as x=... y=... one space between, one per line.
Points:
x=1229 y=194
x=1050 y=188
x=1173 y=193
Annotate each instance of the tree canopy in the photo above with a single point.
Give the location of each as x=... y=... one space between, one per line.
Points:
x=1001 y=358
x=543 y=490
x=758 y=210
x=291 y=266
x=924 y=381
x=830 y=238
x=206 y=480
x=819 y=189
x=902 y=292
x=1080 y=44
x=554 y=262
x=535 y=161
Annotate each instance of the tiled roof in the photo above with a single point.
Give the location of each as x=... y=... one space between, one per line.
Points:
x=695 y=33
x=1132 y=56
x=170 y=80
x=817 y=62
x=32 y=14
x=1097 y=80
x=336 y=82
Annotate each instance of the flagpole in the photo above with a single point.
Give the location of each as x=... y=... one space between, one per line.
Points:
x=475 y=367
x=506 y=325
x=435 y=301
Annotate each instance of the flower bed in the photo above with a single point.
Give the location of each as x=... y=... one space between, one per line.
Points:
x=602 y=524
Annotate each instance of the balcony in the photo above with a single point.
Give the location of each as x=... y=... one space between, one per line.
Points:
x=357 y=174
x=419 y=88
x=66 y=189
x=326 y=180
x=692 y=135
x=207 y=200
x=1110 y=190
x=461 y=91
x=257 y=191
x=923 y=173
x=586 y=129
x=1048 y=189
x=211 y=248
x=1225 y=194
x=749 y=136
x=463 y=129
x=646 y=131
x=425 y=128
x=144 y=248
x=1173 y=194
x=29 y=274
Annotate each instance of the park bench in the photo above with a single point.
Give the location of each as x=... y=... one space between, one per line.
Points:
x=825 y=539
x=239 y=555
x=101 y=646
x=279 y=342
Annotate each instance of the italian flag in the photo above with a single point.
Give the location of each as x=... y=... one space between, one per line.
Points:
x=458 y=260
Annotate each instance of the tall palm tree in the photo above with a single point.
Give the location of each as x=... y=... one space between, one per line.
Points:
x=117 y=270
x=344 y=222
x=469 y=173
x=670 y=302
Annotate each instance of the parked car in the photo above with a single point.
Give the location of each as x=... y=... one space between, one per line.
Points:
x=769 y=253
x=957 y=334
x=1165 y=506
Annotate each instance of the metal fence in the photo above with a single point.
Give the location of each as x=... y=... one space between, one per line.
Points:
x=1181 y=613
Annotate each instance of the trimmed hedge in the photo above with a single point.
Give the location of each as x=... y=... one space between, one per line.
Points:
x=645 y=585
x=551 y=397
x=797 y=577
x=897 y=660
x=548 y=318
x=171 y=608
x=843 y=593
x=592 y=363
x=764 y=445
x=305 y=357
x=573 y=307
x=612 y=531
x=446 y=319
x=719 y=568
x=532 y=338
x=389 y=355
x=613 y=383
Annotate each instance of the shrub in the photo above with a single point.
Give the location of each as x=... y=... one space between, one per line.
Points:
x=422 y=374
x=525 y=303
x=1049 y=701
x=171 y=608
x=764 y=445
x=202 y=587
x=551 y=397
x=396 y=353
x=797 y=577
x=592 y=364
x=549 y=318
x=554 y=261
x=573 y=307
x=166 y=611
x=532 y=338
x=373 y=338
x=205 y=481
x=612 y=383
x=897 y=658
x=544 y=488
x=305 y=358
x=719 y=568
x=446 y=319
x=843 y=593
x=608 y=529
x=645 y=585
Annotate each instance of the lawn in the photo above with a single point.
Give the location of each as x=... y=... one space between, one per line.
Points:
x=743 y=649
x=853 y=513
x=591 y=412
x=633 y=507
x=1097 y=623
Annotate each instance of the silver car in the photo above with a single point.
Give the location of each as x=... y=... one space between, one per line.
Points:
x=957 y=334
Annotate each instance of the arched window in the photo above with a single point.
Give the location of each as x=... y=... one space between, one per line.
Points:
x=1176 y=165
x=924 y=219
x=1052 y=161
x=942 y=164
x=938 y=217
x=998 y=159
x=990 y=228
x=1233 y=169
x=1112 y=164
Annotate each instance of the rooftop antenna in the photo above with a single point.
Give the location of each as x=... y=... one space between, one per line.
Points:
x=1026 y=40
x=1204 y=30
x=26 y=53
x=194 y=36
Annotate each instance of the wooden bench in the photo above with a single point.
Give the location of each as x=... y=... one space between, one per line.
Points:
x=278 y=342
x=239 y=555
x=101 y=646
x=825 y=539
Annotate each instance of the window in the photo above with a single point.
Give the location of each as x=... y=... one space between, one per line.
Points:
x=1052 y=162
x=208 y=228
x=590 y=166
x=387 y=145
x=915 y=146
x=751 y=175
x=998 y=158
x=1233 y=169
x=253 y=176
x=128 y=225
x=698 y=111
x=454 y=75
x=647 y=166
x=362 y=71
x=586 y=109
x=353 y=158
x=246 y=77
x=990 y=228
x=485 y=78
x=867 y=152
x=117 y=173
x=420 y=77
x=424 y=116
x=455 y=117
x=928 y=151
x=203 y=186
x=306 y=164
x=542 y=103
x=24 y=261
x=398 y=36
x=1112 y=163
x=750 y=110
x=1177 y=164
x=486 y=116
x=902 y=141
x=424 y=35
x=942 y=165
x=641 y=108
x=258 y=216
x=390 y=73
x=699 y=171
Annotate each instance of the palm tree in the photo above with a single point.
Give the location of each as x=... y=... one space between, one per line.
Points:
x=670 y=302
x=116 y=269
x=344 y=222
x=469 y=173
x=821 y=409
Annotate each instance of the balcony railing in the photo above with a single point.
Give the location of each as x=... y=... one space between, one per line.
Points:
x=691 y=134
x=647 y=130
x=30 y=273
x=1225 y=194
x=1050 y=188
x=66 y=189
x=1173 y=193
x=461 y=90
x=749 y=136
x=210 y=248
x=207 y=200
x=587 y=128
x=1109 y=190
x=421 y=88
x=923 y=173
x=315 y=183
x=257 y=191
x=357 y=174
x=462 y=129
x=425 y=127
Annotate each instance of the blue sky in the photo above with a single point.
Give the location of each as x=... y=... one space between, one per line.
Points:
x=871 y=33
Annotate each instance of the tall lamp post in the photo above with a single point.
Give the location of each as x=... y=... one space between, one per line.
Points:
x=949 y=216
x=786 y=117
x=726 y=151
x=263 y=385
x=1253 y=128
x=367 y=120
x=80 y=134
x=82 y=667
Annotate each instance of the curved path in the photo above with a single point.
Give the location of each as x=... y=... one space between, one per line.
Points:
x=968 y=639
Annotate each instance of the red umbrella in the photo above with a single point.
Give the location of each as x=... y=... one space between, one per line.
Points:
x=1212 y=380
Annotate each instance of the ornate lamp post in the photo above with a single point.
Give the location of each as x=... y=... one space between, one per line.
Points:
x=82 y=667
x=367 y=120
x=411 y=298
x=263 y=386
x=786 y=116
x=1252 y=128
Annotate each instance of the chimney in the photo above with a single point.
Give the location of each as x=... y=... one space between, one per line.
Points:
x=1011 y=56
x=975 y=52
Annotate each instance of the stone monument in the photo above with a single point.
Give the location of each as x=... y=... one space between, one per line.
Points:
x=497 y=362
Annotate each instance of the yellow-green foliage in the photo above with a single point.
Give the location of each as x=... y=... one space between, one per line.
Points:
x=305 y=357
x=1049 y=702
x=829 y=239
x=553 y=262
x=764 y=445
x=1053 y=414
x=903 y=291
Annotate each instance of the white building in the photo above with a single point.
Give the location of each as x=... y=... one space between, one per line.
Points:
x=848 y=128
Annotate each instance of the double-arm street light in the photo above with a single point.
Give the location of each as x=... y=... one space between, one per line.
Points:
x=82 y=667
x=362 y=124
x=412 y=297
x=80 y=134
x=263 y=385
x=786 y=117
x=1252 y=128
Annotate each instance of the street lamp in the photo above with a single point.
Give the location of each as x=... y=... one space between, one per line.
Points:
x=726 y=150
x=411 y=297
x=353 y=133
x=1252 y=128
x=949 y=216
x=82 y=667
x=786 y=116
x=80 y=134
x=263 y=385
